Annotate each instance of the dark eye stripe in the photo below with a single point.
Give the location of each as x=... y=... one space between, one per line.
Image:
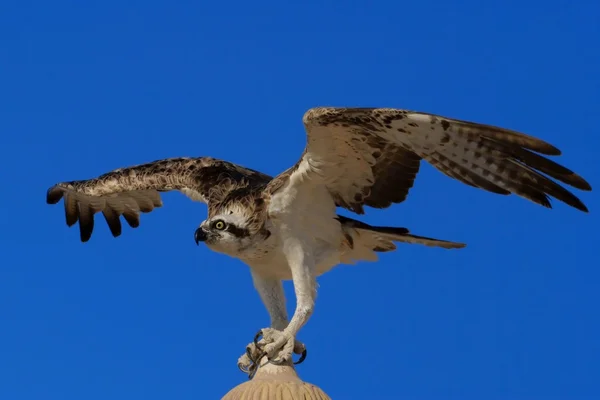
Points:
x=236 y=231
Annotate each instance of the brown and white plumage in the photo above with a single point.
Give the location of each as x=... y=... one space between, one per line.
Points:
x=365 y=156
x=129 y=191
x=371 y=156
x=287 y=227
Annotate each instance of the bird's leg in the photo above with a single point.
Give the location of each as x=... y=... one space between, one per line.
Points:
x=280 y=344
x=272 y=295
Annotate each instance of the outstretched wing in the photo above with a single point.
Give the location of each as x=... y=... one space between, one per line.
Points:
x=370 y=157
x=129 y=191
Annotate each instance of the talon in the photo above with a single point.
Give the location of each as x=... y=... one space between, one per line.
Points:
x=277 y=362
x=261 y=354
x=252 y=372
x=242 y=368
x=249 y=354
x=302 y=357
x=245 y=364
x=258 y=334
x=277 y=346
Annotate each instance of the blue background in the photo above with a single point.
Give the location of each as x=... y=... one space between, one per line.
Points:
x=86 y=87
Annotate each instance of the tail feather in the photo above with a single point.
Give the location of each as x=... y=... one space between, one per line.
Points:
x=363 y=238
x=427 y=241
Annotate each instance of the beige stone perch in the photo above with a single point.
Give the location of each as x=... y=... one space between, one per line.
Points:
x=273 y=382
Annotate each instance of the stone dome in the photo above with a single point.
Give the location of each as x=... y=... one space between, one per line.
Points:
x=273 y=382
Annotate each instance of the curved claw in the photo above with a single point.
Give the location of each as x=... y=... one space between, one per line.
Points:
x=254 y=362
x=244 y=370
x=250 y=370
x=282 y=362
x=253 y=370
x=260 y=356
x=249 y=354
x=258 y=334
x=302 y=357
x=277 y=362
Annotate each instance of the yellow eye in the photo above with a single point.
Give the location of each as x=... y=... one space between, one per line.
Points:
x=220 y=225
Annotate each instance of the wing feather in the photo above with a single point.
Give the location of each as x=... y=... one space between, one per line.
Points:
x=86 y=221
x=112 y=220
x=396 y=171
x=134 y=190
x=370 y=157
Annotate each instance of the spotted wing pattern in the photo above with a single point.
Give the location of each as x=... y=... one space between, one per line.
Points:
x=134 y=190
x=370 y=157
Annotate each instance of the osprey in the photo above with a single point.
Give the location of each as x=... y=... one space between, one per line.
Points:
x=287 y=227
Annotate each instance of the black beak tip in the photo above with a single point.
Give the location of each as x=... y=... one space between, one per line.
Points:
x=199 y=236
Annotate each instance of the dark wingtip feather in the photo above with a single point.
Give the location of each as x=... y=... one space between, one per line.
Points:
x=563 y=195
x=85 y=231
x=54 y=194
x=570 y=178
x=86 y=223
x=549 y=149
x=580 y=183
x=580 y=206
x=574 y=202
x=132 y=218
x=71 y=210
x=113 y=221
x=551 y=168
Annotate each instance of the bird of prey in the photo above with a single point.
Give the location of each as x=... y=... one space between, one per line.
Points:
x=287 y=227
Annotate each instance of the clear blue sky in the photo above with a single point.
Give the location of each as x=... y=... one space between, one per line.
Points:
x=86 y=87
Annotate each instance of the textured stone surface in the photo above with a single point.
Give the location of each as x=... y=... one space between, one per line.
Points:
x=276 y=383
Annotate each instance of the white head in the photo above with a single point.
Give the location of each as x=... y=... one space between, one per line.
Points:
x=228 y=233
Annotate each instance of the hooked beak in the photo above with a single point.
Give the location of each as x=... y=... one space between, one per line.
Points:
x=200 y=236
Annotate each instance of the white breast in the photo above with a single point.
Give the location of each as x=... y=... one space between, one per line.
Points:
x=309 y=211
